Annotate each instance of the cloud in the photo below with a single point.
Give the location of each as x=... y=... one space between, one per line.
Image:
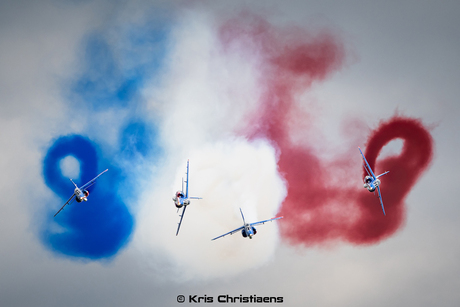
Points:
x=201 y=96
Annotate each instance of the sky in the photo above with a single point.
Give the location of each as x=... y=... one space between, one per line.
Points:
x=269 y=102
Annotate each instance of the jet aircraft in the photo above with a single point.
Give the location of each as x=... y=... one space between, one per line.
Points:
x=372 y=182
x=80 y=193
x=247 y=230
x=181 y=200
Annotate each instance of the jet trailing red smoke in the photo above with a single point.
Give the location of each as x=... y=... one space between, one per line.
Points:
x=405 y=169
x=317 y=209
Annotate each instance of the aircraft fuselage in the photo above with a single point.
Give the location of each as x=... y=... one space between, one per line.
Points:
x=81 y=195
x=248 y=231
x=180 y=200
x=370 y=183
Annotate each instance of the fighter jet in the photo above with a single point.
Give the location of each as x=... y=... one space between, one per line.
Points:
x=372 y=182
x=80 y=193
x=183 y=200
x=247 y=230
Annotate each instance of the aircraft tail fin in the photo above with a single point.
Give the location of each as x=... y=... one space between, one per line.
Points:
x=244 y=222
x=73 y=183
x=382 y=174
x=365 y=167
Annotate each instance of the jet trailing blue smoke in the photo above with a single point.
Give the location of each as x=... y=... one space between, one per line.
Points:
x=94 y=229
x=113 y=73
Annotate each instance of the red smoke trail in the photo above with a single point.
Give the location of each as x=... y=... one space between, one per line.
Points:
x=290 y=61
x=317 y=208
x=405 y=169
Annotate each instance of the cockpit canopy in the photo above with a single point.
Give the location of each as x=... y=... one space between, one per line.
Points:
x=179 y=194
x=367 y=179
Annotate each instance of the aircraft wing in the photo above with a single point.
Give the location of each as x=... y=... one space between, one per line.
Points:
x=229 y=233
x=92 y=181
x=181 y=217
x=367 y=167
x=381 y=201
x=68 y=202
x=262 y=222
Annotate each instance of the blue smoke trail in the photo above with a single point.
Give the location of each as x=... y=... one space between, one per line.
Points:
x=94 y=229
x=112 y=76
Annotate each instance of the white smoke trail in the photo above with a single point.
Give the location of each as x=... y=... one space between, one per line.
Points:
x=205 y=97
x=228 y=175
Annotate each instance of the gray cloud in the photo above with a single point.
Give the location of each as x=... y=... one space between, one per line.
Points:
x=402 y=56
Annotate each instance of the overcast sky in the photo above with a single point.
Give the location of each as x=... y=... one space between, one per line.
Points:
x=139 y=87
